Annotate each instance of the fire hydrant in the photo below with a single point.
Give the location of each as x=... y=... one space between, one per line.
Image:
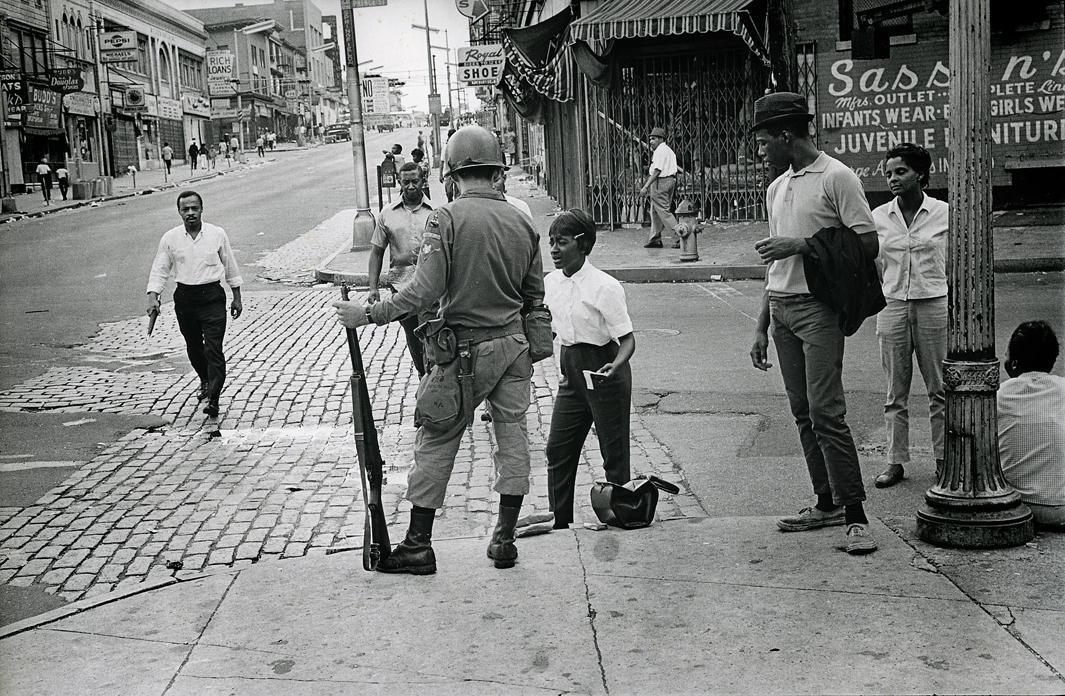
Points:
x=689 y=225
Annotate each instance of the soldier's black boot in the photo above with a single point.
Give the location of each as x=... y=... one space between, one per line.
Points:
x=502 y=549
x=413 y=555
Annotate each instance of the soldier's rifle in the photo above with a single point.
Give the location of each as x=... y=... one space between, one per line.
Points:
x=375 y=544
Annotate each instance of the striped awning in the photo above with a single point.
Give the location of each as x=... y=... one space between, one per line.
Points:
x=631 y=19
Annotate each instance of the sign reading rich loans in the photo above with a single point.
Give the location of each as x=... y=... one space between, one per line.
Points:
x=480 y=65
x=220 y=73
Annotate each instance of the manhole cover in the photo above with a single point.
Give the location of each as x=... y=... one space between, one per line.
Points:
x=660 y=332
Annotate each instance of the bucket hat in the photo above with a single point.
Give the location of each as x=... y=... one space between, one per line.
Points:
x=779 y=107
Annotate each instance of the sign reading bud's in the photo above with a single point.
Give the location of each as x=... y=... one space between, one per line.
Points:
x=480 y=65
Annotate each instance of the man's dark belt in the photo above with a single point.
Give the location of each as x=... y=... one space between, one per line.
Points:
x=482 y=334
x=200 y=286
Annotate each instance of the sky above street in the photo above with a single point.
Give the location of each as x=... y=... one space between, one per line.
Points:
x=386 y=37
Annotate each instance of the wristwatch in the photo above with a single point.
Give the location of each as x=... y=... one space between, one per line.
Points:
x=369 y=317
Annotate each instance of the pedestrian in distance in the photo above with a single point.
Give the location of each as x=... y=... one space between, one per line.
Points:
x=194 y=154
x=234 y=146
x=199 y=256
x=168 y=156
x=480 y=259
x=62 y=178
x=271 y=139
x=501 y=186
x=44 y=178
x=421 y=142
x=449 y=185
x=418 y=157
x=1031 y=423
x=591 y=323
x=912 y=232
x=659 y=187
x=510 y=146
x=260 y=145
x=815 y=193
x=399 y=230
x=212 y=155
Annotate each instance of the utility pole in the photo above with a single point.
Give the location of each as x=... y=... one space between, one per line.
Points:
x=433 y=93
x=363 y=226
x=971 y=505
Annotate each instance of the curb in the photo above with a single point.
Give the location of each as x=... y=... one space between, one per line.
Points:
x=14 y=217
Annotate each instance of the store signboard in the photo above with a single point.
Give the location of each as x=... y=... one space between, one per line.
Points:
x=168 y=108
x=42 y=107
x=123 y=56
x=14 y=88
x=480 y=65
x=118 y=40
x=220 y=72
x=66 y=80
x=196 y=105
x=81 y=103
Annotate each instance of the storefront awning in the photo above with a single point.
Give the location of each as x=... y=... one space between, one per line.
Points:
x=631 y=19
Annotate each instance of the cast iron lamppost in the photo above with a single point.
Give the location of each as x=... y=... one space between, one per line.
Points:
x=971 y=505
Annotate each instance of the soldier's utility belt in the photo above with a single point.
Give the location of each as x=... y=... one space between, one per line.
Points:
x=442 y=341
x=480 y=335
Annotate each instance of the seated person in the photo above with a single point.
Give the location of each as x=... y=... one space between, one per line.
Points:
x=1031 y=423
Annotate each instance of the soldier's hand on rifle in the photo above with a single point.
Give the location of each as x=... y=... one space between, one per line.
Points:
x=351 y=314
x=373 y=295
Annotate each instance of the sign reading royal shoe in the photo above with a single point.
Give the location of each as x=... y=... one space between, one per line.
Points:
x=480 y=65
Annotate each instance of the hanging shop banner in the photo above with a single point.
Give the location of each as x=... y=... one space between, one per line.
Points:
x=42 y=107
x=480 y=65
x=220 y=73
x=66 y=80
x=81 y=103
x=14 y=87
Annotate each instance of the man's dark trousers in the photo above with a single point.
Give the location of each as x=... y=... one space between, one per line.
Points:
x=201 y=316
x=576 y=408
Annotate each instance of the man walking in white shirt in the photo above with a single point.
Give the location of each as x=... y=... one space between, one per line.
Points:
x=659 y=187
x=198 y=254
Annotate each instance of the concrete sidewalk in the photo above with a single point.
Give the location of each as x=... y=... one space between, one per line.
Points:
x=688 y=606
x=1035 y=242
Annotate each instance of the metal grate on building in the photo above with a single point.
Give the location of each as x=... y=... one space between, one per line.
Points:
x=705 y=100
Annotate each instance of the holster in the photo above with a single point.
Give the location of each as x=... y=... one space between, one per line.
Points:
x=466 y=367
x=441 y=345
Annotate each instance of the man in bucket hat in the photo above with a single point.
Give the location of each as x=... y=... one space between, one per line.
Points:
x=661 y=182
x=814 y=192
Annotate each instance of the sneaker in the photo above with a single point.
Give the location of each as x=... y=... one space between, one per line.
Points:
x=858 y=540
x=811 y=518
x=656 y=244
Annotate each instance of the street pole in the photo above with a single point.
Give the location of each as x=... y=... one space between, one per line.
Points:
x=363 y=226
x=432 y=85
x=971 y=505
x=447 y=64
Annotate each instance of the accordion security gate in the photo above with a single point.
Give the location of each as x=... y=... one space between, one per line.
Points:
x=705 y=101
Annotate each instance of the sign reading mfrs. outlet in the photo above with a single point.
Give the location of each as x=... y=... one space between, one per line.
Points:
x=480 y=65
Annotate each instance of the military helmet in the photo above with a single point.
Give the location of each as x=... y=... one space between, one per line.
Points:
x=472 y=146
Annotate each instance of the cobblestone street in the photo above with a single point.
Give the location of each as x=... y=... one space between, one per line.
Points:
x=282 y=480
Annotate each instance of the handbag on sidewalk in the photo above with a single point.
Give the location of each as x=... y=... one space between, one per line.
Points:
x=630 y=505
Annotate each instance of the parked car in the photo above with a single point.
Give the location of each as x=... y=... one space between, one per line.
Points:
x=337 y=131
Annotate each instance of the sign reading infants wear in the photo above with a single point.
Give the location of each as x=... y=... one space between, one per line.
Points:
x=871 y=107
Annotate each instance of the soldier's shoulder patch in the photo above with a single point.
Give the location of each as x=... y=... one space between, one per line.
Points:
x=434 y=219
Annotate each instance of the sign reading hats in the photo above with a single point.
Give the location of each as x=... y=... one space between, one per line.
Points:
x=118 y=46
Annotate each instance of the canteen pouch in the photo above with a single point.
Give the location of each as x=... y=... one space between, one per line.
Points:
x=537 y=325
x=630 y=505
x=441 y=345
x=439 y=399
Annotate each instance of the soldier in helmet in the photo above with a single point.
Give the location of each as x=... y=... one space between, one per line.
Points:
x=480 y=259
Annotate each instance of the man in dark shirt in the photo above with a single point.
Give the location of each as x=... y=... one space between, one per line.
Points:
x=480 y=259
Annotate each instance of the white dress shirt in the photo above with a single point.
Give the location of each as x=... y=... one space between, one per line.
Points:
x=913 y=258
x=1031 y=436
x=587 y=307
x=664 y=160
x=519 y=204
x=206 y=259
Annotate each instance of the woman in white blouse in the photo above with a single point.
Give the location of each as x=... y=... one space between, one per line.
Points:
x=912 y=229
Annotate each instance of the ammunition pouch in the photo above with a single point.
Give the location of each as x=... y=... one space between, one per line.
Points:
x=439 y=340
x=537 y=325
